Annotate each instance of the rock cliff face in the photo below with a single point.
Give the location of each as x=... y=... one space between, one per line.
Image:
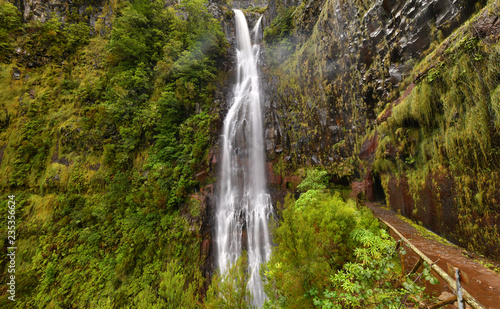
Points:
x=89 y=11
x=344 y=62
x=445 y=139
x=364 y=88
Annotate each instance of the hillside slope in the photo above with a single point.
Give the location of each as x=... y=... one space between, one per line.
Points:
x=105 y=134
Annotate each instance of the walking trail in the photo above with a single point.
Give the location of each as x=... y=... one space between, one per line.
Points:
x=483 y=284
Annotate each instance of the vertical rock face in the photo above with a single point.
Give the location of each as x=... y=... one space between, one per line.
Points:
x=446 y=148
x=350 y=61
x=200 y=212
x=435 y=206
x=44 y=10
x=335 y=70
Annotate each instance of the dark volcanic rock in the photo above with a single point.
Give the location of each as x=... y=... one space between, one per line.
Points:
x=369 y=187
x=349 y=68
x=488 y=28
x=436 y=205
x=203 y=216
x=368 y=148
x=16 y=73
x=40 y=10
x=399 y=198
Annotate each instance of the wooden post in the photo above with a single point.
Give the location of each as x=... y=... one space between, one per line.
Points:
x=448 y=301
x=468 y=298
x=402 y=258
x=416 y=267
x=464 y=278
x=461 y=302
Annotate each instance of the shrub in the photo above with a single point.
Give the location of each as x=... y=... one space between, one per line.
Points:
x=175 y=290
x=372 y=279
x=313 y=243
x=229 y=291
x=10 y=23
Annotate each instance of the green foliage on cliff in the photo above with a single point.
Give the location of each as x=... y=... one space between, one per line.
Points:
x=316 y=179
x=281 y=26
x=339 y=63
x=230 y=291
x=100 y=140
x=315 y=79
x=173 y=289
x=10 y=25
x=448 y=127
x=55 y=40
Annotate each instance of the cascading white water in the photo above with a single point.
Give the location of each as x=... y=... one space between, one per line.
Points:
x=244 y=204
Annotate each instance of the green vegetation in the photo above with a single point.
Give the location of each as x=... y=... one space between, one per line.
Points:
x=101 y=137
x=489 y=265
x=330 y=254
x=316 y=179
x=105 y=131
x=371 y=280
x=52 y=41
x=173 y=289
x=10 y=25
x=230 y=290
x=281 y=26
x=448 y=128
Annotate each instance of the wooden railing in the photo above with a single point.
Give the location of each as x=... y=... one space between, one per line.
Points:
x=461 y=295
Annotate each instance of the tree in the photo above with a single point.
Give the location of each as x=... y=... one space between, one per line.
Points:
x=176 y=290
x=10 y=22
x=230 y=291
x=313 y=243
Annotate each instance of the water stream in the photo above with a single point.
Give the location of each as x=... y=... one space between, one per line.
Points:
x=244 y=206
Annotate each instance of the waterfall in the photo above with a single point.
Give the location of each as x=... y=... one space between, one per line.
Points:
x=244 y=206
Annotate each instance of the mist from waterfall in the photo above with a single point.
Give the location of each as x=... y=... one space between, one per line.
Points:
x=244 y=206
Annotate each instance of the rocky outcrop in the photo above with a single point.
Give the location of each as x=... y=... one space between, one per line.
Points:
x=200 y=212
x=343 y=70
x=89 y=11
x=333 y=96
x=447 y=188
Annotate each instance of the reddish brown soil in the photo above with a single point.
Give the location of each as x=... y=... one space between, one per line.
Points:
x=483 y=284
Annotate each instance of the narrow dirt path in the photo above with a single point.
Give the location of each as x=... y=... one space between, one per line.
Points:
x=483 y=285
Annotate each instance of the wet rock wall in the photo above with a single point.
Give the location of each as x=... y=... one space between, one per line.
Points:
x=344 y=62
x=335 y=79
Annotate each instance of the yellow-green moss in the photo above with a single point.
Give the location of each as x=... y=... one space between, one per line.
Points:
x=448 y=125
